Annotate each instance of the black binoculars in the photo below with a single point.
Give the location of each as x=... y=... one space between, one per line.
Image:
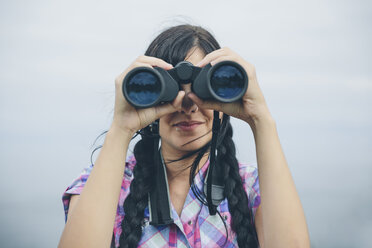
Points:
x=144 y=87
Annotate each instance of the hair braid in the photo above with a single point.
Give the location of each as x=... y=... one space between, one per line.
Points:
x=242 y=221
x=137 y=200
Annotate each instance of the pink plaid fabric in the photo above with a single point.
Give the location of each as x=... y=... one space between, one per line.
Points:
x=195 y=227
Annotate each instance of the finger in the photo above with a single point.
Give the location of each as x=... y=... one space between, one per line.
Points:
x=175 y=105
x=155 y=62
x=120 y=78
x=249 y=68
x=211 y=56
x=222 y=58
x=141 y=64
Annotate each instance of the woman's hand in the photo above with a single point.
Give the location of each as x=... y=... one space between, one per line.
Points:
x=252 y=106
x=130 y=119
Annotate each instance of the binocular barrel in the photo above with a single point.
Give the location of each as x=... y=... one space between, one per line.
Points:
x=145 y=87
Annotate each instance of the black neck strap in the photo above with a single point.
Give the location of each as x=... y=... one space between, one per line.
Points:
x=214 y=187
x=159 y=201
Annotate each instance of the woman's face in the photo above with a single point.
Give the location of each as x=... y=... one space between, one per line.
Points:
x=190 y=128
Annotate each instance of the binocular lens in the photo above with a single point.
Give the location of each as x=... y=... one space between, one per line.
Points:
x=227 y=81
x=143 y=88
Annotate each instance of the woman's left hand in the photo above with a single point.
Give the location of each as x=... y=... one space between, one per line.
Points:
x=252 y=106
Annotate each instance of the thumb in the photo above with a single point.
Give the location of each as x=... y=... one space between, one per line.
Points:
x=170 y=107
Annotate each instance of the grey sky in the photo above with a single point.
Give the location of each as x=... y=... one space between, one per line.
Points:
x=58 y=61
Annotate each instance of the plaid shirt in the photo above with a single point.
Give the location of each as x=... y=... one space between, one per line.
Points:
x=195 y=227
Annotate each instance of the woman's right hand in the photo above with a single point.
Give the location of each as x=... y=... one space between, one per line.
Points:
x=129 y=119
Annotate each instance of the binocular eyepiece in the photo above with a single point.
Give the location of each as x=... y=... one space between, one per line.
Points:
x=144 y=87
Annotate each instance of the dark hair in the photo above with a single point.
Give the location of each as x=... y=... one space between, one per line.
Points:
x=172 y=46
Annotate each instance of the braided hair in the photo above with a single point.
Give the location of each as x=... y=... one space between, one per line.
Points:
x=242 y=220
x=172 y=46
x=136 y=202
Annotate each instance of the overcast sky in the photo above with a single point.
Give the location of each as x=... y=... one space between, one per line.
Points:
x=59 y=59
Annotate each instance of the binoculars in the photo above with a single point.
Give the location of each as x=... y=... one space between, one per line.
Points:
x=144 y=87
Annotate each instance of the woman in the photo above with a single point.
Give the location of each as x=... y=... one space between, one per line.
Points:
x=269 y=217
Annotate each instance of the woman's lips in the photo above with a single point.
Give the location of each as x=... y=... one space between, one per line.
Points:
x=187 y=126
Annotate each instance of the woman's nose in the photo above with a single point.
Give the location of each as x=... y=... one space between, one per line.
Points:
x=188 y=106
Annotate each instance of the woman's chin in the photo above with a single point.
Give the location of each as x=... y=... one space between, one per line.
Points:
x=192 y=145
x=186 y=141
